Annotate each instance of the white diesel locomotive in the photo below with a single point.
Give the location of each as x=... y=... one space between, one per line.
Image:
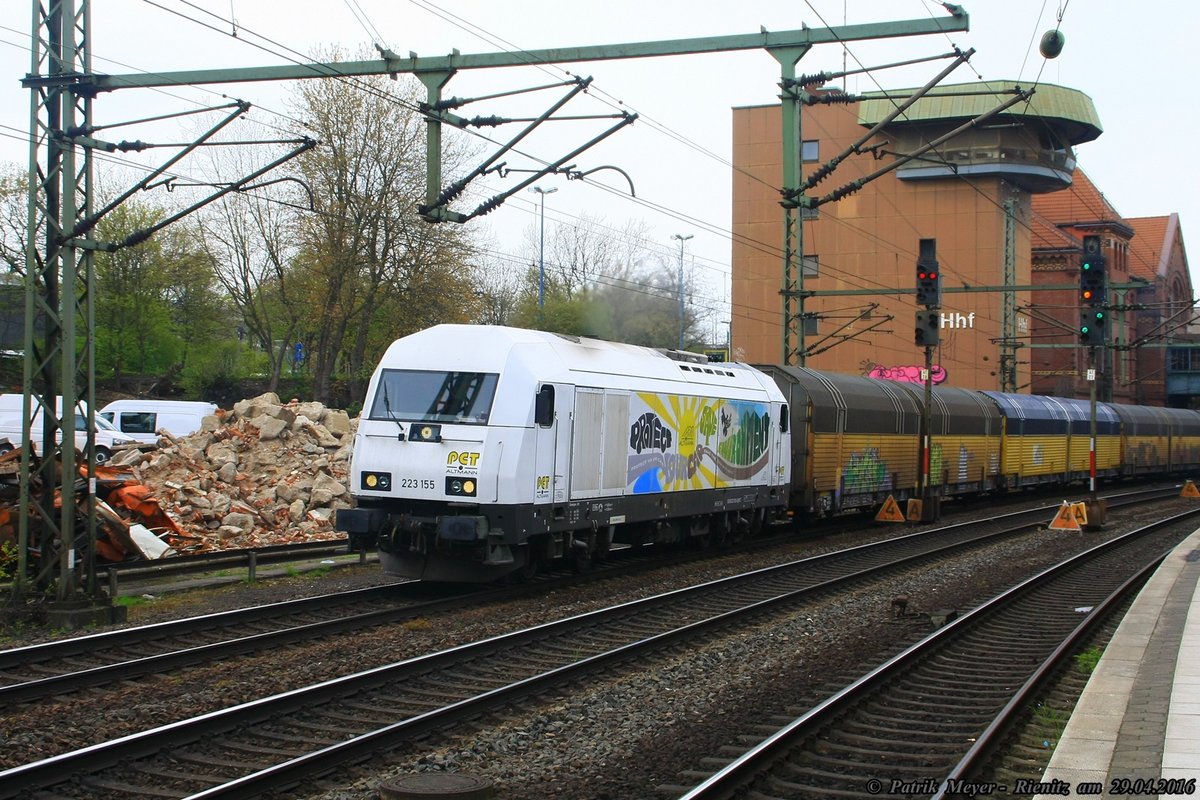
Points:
x=488 y=451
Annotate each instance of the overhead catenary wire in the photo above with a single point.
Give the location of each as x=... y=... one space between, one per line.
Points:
x=774 y=250
x=715 y=229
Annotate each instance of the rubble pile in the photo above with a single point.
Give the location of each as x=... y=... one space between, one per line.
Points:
x=264 y=473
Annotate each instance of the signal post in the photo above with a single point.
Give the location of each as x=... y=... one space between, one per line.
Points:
x=1093 y=334
x=928 y=323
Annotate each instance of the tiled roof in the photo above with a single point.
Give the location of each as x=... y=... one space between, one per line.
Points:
x=1080 y=202
x=1045 y=235
x=1151 y=245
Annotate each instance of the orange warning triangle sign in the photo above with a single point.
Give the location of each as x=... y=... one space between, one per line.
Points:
x=1065 y=519
x=1190 y=490
x=890 y=512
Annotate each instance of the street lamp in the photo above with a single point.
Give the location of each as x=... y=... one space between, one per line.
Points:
x=542 y=248
x=681 y=239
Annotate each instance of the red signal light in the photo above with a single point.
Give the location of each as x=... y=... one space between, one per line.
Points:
x=1087 y=294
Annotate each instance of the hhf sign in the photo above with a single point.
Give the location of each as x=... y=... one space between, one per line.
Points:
x=954 y=319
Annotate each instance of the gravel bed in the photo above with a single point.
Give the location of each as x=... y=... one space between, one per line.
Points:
x=613 y=737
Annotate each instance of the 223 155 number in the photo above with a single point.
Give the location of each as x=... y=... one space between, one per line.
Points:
x=417 y=483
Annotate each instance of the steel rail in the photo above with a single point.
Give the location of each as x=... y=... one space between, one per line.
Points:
x=54 y=769
x=728 y=781
x=91 y=677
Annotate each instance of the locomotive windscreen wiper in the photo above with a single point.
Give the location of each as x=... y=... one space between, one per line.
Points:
x=387 y=406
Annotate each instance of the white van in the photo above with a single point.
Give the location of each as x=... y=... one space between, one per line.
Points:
x=142 y=419
x=107 y=437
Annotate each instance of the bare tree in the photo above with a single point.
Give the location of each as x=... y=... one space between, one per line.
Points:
x=249 y=239
x=365 y=249
x=578 y=253
x=13 y=214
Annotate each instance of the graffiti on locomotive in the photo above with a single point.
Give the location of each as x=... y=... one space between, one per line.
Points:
x=678 y=442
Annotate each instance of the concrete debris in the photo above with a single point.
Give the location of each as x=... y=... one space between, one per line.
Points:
x=263 y=473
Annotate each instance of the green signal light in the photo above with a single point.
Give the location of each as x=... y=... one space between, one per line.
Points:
x=1099 y=315
x=1087 y=265
x=1084 y=329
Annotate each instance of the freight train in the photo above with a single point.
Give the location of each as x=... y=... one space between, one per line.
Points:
x=486 y=452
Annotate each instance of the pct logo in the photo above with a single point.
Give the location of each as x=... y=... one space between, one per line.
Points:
x=462 y=461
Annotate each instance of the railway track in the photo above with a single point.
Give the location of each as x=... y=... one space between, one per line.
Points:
x=28 y=674
x=926 y=723
x=51 y=669
x=277 y=741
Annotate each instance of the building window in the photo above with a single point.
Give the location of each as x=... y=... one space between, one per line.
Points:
x=809 y=150
x=811 y=267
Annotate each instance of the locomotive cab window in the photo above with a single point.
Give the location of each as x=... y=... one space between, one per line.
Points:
x=410 y=395
x=543 y=407
x=783 y=419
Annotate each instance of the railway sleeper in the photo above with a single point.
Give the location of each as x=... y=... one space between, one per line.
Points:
x=699 y=776
x=822 y=768
x=932 y=714
x=863 y=745
x=296 y=738
x=190 y=777
x=439 y=692
x=367 y=719
x=860 y=741
x=341 y=731
x=123 y=789
x=256 y=749
x=835 y=786
x=941 y=694
x=966 y=678
x=217 y=761
x=967 y=664
x=869 y=729
x=863 y=761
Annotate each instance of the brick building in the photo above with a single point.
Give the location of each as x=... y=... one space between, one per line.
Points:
x=1151 y=294
x=1006 y=207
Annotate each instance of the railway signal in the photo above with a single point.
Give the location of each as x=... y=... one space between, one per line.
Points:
x=1093 y=294
x=928 y=323
x=929 y=278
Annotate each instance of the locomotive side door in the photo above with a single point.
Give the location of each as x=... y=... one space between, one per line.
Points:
x=552 y=432
x=782 y=461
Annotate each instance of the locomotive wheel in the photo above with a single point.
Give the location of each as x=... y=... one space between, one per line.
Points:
x=701 y=534
x=581 y=560
x=530 y=569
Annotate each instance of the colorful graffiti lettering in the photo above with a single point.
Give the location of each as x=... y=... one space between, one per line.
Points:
x=747 y=439
x=700 y=442
x=866 y=472
x=909 y=373
x=648 y=431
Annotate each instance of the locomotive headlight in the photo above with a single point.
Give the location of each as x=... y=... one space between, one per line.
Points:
x=425 y=433
x=377 y=481
x=460 y=487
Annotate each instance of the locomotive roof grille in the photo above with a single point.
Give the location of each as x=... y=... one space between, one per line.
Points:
x=707 y=370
